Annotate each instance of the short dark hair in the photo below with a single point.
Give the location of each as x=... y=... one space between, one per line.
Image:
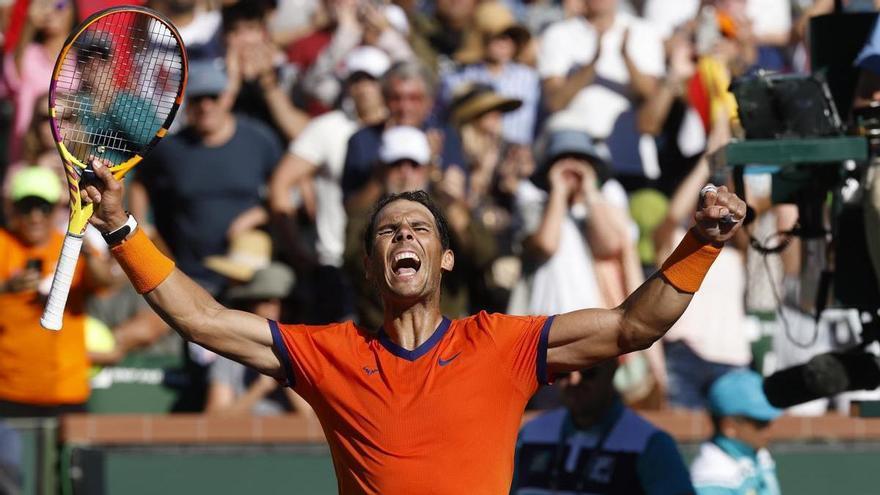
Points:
x=237 y=12
x=420 y=197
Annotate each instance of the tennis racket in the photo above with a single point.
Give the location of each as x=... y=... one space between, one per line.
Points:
x=115 y=89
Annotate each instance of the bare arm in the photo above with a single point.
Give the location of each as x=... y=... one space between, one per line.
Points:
x=290 y=119
x=138 y=200
x=655 y=109
x=98 y=273
x=259 y=63
x=222 y=400
x=606 y=227
x=545 y=241
x=184 y=305
x=560 y=90
x=137 y=332
x=585 y=337
x=645 y=86
x=289 y=172
x=254 y=217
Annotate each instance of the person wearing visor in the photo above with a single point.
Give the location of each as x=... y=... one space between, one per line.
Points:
x=29 y=251
x=597 y=445
x=735 y=461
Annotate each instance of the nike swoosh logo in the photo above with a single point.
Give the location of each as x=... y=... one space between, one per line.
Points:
x=444 y=362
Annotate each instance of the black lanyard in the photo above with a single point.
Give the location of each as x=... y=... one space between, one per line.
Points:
x=559 y=456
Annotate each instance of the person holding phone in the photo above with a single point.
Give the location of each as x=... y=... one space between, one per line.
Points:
x=29 y=251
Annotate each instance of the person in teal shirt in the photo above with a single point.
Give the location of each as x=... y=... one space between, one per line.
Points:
x=103 y=116
x=735 y=461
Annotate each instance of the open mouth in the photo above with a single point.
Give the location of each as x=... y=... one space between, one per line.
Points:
x=405 y=264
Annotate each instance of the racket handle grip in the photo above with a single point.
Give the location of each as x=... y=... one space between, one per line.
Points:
x=54 y=311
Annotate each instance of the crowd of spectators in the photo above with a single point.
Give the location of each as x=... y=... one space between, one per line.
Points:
x=564 y=141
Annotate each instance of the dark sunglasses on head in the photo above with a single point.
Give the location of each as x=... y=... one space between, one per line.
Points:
x=31 y=203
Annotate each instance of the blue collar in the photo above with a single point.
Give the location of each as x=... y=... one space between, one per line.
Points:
x=422 y=349
x=734 y=448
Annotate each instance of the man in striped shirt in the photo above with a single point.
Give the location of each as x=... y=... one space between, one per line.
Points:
x=500 y=40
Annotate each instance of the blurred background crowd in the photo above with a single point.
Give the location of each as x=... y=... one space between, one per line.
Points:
x=566 y=142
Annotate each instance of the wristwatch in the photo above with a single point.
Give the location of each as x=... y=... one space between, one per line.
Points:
x=119 y=235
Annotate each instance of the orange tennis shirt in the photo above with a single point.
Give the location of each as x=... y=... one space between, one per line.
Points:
x=441 y=418
x=38 y=366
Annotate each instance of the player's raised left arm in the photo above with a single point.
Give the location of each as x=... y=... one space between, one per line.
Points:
x=582 y=338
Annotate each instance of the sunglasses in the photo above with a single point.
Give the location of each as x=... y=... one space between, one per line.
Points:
x=758 y=424
x=199 y=98
x=27 y=205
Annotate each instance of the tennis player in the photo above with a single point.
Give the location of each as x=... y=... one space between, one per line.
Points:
x=424 y=404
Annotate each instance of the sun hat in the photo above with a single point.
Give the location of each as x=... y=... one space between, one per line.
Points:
x=490 y=19
x=248 y=252
x=474 y=100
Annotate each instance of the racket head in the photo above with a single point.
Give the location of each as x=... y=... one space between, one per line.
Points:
x=116 y=87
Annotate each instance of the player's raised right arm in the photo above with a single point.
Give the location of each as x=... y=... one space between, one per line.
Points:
x=182 y=303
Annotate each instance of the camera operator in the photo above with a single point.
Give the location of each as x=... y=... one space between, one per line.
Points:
x=867 y=97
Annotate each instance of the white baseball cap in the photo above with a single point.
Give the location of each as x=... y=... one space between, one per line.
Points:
x=368 y=59
x=405 y=143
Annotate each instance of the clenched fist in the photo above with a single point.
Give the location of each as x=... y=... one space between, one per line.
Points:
x=719 y=214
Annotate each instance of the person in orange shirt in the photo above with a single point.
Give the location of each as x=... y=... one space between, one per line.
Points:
x=424 y=404
x=42 y=373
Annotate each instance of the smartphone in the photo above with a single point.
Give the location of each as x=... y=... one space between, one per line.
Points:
x=35 y=264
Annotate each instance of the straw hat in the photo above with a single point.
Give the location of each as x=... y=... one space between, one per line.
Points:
x=491 y=19
x=474 y=100
x=248 y=252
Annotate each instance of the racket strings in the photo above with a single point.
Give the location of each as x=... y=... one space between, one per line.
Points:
x=117 y=86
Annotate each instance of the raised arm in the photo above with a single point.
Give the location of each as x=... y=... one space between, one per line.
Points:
x=183 y=304
x=582 y=338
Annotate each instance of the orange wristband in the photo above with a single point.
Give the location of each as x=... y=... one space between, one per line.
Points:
x=687 y=266
x=142 y=261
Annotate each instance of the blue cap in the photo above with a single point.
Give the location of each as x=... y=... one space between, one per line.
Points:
x=741 y=393
x=568 y=142
x=206 y=77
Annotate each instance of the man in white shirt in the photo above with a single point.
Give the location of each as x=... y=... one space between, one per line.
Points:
x=316 y=159
x=596 y=69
